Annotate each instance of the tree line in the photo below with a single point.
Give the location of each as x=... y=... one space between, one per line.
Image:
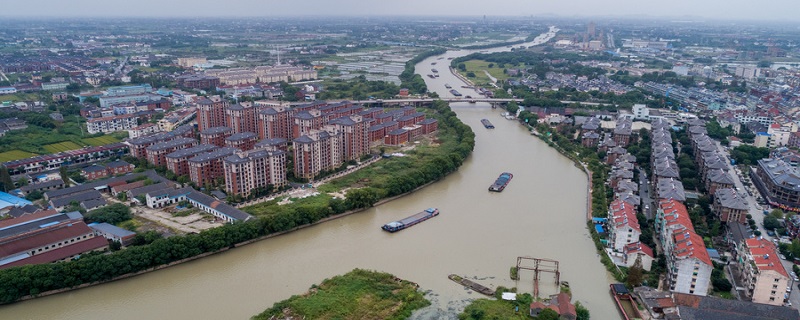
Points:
x=18 y=282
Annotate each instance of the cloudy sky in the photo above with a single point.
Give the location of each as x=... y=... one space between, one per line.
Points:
x=771 y=10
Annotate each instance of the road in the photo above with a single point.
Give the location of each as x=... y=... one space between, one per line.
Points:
x=648 y=205
x=757 y=212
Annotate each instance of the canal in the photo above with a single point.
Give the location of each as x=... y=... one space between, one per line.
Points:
x=478 y=234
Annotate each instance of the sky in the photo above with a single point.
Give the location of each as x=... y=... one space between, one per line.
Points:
x=765 y=10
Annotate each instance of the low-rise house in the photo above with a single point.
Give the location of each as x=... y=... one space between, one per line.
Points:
x=113 y=233
x=42 y=186
x=217 y=208
x=59 y=203
x=560 y=303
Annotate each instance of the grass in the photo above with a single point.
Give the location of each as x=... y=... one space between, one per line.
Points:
x=493 y=309
x=19 y=96
x=478 y=66
x=99 y=141
x=272 y=207
x=61 y=146
x=378 y=174
x=359 y=294
x=15 y=155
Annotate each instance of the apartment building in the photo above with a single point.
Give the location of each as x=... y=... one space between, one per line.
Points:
x=730 y=206
x=178 y=161
x=780 y=183
x=112 y=123
x=275 y=122
x=248 y=171
x=765 y=278
x=211 y=113
x=215 y=136
x=688 y=264
x=316 y=151
x=242 y=141
x=242 y=117
x=204 y=168
x=354 y=132
x=157 y=153
x=306 y=121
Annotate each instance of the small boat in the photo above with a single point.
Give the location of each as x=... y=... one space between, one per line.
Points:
x=451 y=58
x=501 y=182
x=471 y=285
x=455 y=93
x=433 y=63
x=434 y=71
x=448 y=86
x=431 y=76
x=426 y=214
x=436 y=75
x=487 y=124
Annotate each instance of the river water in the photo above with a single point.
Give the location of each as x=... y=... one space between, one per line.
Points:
x=541 y=214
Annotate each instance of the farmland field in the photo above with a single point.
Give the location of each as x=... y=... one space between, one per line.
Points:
x=99 y=141
x=61 y=146
x=15 y=155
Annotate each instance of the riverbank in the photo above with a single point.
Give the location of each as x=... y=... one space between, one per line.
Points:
x=359 y=294
x=15 y=283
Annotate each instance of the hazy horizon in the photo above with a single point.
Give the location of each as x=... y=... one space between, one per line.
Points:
x=772 y=10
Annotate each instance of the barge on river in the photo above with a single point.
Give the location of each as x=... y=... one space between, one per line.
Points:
x=625 y=302
x=487 y=124
x=471 y=285
x=501 y=182
x=455 y=93
x=426 y=214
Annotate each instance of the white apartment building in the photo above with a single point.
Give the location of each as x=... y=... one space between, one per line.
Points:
x=111 y=124
x=764 y=276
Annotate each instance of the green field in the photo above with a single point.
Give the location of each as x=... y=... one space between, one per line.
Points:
x=99 y=141
x=15 y=155
x=478 y=66
x=61 y=146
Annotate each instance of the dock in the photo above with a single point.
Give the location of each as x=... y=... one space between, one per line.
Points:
x=469 y=284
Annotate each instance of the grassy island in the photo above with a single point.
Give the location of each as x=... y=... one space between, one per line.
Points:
x=359 y=294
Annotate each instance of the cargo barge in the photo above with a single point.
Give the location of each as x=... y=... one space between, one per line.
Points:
x=434 y=71
x=455 y=93
x=501 y=182
x=471 y=285
x=395 y=226
x=625 y=302
x=487 y=124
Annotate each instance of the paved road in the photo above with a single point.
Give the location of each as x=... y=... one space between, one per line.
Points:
x=757 y=212
x=648 y=205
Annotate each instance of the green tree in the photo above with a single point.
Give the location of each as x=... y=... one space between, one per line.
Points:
x=64 y=175
x=581 y=311
x=548 y=314
x=635 y=274
x=5 y=179
x=34 y=195
x=771 y=223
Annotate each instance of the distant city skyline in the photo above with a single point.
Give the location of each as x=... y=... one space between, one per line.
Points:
x=770 y=10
